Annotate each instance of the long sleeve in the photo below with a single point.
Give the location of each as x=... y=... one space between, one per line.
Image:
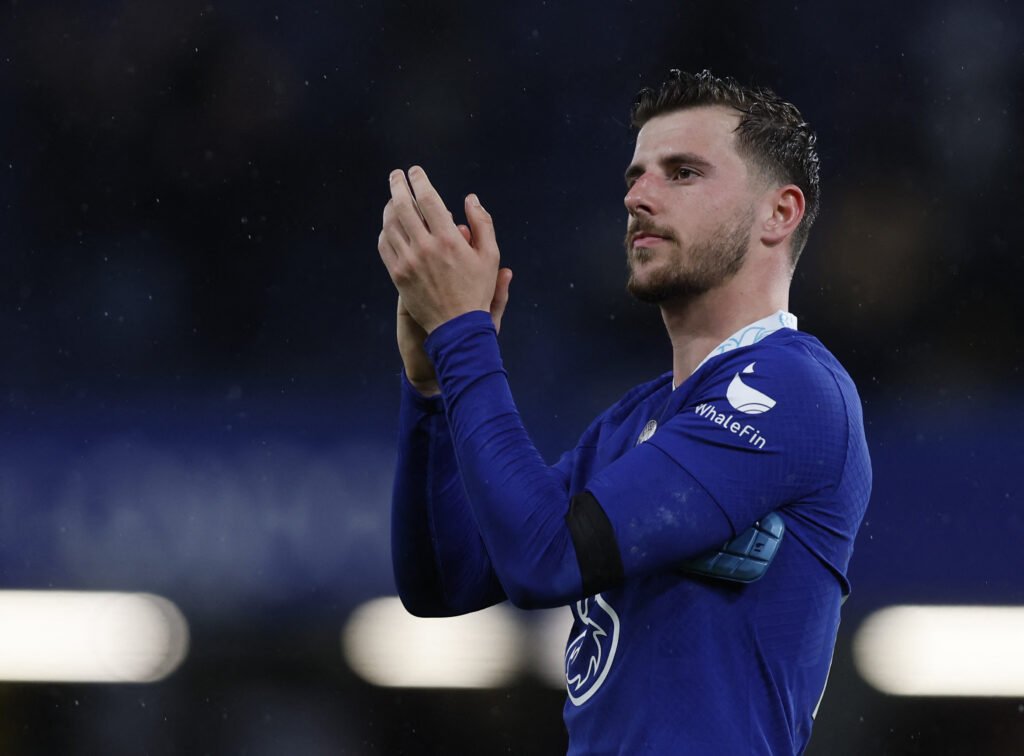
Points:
x=440 y=564
x=701 y=480
x=545 y=544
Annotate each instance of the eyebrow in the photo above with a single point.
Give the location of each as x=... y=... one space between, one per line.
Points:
x=669 y=162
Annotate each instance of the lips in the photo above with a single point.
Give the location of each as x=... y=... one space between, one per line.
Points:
x=646 y=240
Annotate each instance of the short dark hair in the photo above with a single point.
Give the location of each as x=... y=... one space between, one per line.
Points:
x=772 y=133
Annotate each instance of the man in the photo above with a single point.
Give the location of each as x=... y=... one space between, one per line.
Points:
x=679 y=645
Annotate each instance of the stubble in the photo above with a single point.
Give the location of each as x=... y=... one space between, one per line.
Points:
x=696 y=267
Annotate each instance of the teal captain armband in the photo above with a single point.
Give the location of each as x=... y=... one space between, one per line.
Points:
x=745 y=558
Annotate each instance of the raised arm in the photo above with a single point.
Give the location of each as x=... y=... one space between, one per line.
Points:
x=656 y=506
x=544 y=548
x=440 y=564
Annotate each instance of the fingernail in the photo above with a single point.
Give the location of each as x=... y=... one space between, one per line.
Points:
x=474 y=200
x=415 y=170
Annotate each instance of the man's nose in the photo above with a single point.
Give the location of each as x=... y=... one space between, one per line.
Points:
x=641 y=196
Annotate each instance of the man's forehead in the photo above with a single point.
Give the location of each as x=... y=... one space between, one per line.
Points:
x=705 y=128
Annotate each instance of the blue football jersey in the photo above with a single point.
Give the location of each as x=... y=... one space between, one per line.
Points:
x=659 y=660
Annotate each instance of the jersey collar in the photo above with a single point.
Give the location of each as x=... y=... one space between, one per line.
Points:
x=753 y=333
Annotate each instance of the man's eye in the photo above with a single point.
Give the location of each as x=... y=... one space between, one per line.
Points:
x=684 y=173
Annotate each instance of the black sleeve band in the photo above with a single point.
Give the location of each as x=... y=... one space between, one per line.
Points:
x=597 y=551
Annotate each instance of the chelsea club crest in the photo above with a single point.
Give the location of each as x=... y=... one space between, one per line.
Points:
x=590 y=652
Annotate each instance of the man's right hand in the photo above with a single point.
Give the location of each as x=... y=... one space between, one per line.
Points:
x=418 y=368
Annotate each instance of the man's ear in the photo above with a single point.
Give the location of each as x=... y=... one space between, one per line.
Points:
x=786 y=210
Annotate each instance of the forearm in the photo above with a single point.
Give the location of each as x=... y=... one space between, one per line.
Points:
x=520 y=504
x=440 y=564
x=549 y=545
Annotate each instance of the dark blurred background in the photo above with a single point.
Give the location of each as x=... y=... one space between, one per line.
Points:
x=199 y=376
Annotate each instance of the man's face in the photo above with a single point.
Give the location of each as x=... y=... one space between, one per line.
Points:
x=690 y=203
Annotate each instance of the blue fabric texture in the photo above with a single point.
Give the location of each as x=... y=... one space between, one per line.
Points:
x=666 y=662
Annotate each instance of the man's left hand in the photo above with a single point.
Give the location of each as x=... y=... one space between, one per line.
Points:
x=438 y=271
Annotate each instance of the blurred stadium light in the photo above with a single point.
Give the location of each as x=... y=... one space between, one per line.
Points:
x=943 y=650
x=387 y=646
x=550 y=631
x=78 y=636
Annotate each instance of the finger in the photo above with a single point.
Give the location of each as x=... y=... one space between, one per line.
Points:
x=466 y=233
x=403 y=311
x=391 y=220
x=397 y=239
x=407 y=213
x=387 y=252
x=500 y=301
x=435 y=213
x=393 y=233
x=482 y=226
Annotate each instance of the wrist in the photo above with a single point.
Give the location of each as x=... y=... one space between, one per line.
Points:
x=449 y=317
x=427 y=388
x=464 y=350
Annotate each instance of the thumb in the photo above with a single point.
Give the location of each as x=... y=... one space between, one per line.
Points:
x=482 y=226
x=500 y=300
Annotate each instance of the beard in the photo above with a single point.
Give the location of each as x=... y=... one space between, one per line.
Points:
x=694 y=268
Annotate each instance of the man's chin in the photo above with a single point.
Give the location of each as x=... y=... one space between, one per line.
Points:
x=642 y=255
x=656 y=292
x=642 y=291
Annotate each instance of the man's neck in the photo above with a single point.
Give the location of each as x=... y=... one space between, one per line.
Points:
x=697 y=326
